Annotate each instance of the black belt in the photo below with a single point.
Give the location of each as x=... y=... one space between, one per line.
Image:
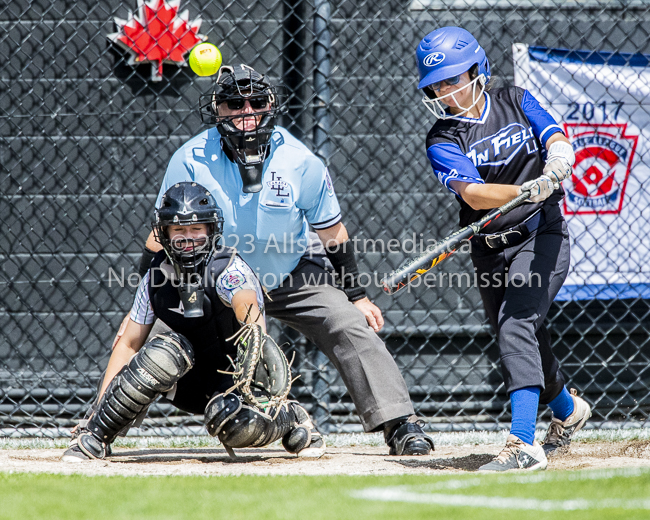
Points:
x=514 y=235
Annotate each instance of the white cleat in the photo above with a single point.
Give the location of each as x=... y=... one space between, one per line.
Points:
x=74 y=454
x=315 y=450
x=558 y=436
x=518 y=455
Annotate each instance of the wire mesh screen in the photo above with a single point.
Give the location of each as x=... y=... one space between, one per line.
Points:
x=87 y=129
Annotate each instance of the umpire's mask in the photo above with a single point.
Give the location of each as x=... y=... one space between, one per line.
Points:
x=244 y=107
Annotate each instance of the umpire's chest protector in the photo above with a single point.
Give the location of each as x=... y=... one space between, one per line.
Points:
x=208 y=333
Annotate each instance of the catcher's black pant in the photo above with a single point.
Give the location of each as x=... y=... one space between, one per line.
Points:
x=194 y=390
x=517 y=312
x=308 y=302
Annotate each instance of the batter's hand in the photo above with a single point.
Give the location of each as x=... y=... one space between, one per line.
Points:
x=557 y=170
x=371 y=312
x=559 y=161
x=540 y=188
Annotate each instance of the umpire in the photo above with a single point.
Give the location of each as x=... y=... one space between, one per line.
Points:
x=272 y=189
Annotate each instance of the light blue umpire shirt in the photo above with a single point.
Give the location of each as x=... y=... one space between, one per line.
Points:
x=269 y=229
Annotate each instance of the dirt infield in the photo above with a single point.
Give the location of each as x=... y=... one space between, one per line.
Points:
x=346 y=460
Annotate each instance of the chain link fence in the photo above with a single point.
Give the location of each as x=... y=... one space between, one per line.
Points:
x=86 y=134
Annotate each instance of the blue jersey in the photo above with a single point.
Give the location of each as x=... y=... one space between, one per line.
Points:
x=506 y=145
x=269 y=229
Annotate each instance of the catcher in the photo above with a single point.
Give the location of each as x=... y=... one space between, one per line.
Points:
x=217 y=360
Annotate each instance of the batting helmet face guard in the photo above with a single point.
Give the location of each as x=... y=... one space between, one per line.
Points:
x=186 y=204
x=237 y=85
x=446 y=53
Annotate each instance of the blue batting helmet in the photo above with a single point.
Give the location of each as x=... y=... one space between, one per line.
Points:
x=448 y=52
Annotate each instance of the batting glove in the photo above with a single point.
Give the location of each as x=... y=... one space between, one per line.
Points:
x=559 y=161
x=540 y=189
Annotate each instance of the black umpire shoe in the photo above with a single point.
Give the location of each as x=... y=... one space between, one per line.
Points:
x=406 y=437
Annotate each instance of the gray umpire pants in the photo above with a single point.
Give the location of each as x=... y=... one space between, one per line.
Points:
x=308 y=302
x=517 y=312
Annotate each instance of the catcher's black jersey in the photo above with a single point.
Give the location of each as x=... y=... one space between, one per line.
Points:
x=505 y=146
x=208 y=333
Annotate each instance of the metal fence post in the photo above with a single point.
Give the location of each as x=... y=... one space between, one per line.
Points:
x=322 y=69
x=293 y=65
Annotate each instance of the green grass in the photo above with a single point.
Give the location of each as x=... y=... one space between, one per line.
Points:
x=26 y=496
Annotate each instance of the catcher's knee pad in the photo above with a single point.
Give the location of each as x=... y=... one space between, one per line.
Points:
x=163 y=361
x=241 y=426
x=153 y=370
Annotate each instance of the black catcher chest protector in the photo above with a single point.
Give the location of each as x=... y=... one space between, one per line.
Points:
x=205 y=333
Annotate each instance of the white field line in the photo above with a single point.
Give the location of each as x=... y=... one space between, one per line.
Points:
x=533 y=478
x=401 y=495
x=423 y=494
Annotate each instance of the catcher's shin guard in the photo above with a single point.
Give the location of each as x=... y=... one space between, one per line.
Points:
x=303 y=439
x=153 y=370
x=89 y=445
x=241 y=426
x=220 y=409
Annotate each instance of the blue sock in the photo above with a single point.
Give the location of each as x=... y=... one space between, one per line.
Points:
x=562 y=405
x=524 y=403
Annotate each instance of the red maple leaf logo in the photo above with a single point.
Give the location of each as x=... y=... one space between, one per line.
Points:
x=157 y=35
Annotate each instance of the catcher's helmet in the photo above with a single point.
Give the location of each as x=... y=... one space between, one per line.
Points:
x=445 y=53
x=184 y=204
x=235 y=85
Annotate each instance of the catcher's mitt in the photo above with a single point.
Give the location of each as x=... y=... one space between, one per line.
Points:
x=262 y=372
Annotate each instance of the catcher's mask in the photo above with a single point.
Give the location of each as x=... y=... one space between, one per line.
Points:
x=188 y=204
x=237 y=85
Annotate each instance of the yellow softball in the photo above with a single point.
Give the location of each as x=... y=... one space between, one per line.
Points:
x=205 y=59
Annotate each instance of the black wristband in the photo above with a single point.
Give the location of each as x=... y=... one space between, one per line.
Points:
x=346 y=269
x=145 y=261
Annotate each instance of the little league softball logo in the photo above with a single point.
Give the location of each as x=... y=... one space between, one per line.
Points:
x=157 y=35
x=233 y=280
x=604 y=155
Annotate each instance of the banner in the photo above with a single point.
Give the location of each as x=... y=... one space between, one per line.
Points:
x=602 y=100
